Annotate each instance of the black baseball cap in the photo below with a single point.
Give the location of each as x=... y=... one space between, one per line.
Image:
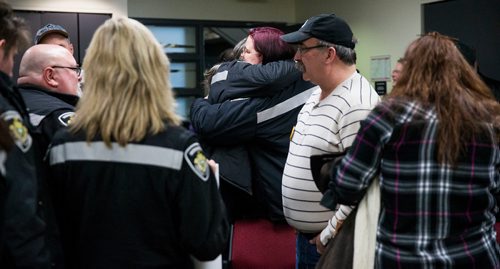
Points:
x=326 y=27
x=48 y=29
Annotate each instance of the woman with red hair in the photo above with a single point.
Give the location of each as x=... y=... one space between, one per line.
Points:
x=245 y=122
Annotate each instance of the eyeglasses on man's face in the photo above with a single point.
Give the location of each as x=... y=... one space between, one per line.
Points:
x=77 y=69
x=304 y=49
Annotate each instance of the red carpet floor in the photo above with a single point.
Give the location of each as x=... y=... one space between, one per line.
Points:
x=498 y=231
x=259 y=244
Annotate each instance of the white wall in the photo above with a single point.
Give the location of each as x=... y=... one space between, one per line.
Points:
x=115 y=7
x=235 y=10
x=382 y=27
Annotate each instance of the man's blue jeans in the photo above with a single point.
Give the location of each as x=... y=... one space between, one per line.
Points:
x=307 y=255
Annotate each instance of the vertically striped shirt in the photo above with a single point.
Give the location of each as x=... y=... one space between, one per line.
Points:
x=323 y=126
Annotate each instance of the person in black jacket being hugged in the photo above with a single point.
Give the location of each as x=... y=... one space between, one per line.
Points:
x=254 y=103
x=134 y=189
x=247 y=119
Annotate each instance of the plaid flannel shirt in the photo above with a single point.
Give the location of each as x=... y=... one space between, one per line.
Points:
x=432 y=215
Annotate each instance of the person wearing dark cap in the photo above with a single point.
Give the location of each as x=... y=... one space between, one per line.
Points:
x=57 y=35
x=53 y=34
x=327 y=123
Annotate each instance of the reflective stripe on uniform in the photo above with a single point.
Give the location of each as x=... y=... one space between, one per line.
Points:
x=219 y=77
x=132 y=153
x=285 y=106
x=3 y=158
x=35 y=119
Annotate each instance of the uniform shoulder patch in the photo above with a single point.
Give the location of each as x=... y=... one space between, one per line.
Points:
x=197 y=161
x=65 y=118
x=18 y=130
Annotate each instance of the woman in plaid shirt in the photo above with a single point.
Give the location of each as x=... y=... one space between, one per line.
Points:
x=434 y=142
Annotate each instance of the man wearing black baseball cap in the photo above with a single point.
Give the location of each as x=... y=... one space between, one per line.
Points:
x=328 y=123
x=327 y=27
x=53 y=34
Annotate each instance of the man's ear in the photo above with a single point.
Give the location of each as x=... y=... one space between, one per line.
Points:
x=48 y=77
x=332 y=54
x=2 y=48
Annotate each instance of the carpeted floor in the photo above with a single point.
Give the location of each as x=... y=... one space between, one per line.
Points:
x=259 y=244
x=498 y=231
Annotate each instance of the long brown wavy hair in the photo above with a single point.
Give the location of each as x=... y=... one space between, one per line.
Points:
x=437 y=75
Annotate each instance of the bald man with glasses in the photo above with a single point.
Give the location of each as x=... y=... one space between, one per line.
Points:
x=48 y=80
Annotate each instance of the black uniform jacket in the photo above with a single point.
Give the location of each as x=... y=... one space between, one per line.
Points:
x=234 y=115
x=49 y=111
x=150 y=204
x=22 y=228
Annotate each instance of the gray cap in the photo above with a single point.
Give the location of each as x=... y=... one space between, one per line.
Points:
x=49 y=29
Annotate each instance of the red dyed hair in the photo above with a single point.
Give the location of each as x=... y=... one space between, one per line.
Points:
x=268 y=43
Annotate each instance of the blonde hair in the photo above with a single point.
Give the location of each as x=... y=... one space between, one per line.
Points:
x=127 y=90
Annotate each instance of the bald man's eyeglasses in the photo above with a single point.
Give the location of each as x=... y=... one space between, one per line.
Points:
x=78 y=70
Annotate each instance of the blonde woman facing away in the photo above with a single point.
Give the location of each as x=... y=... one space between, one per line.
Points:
x=134 y=190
